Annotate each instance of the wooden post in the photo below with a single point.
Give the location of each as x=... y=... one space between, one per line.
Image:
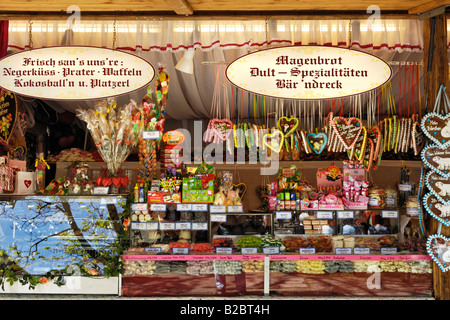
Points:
x=433 y=79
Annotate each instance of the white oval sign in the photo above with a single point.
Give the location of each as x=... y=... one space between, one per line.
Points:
x=308 y=72
x=74 y=73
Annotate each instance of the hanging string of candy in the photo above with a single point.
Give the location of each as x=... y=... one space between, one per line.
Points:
x=152 y=120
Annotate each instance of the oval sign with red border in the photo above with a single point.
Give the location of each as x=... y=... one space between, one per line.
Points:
x=173 y=138
x=74 y=73
x=308 y=72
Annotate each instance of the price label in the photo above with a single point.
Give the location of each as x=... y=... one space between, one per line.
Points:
x=199 y=226
x=405 y=187
x=158 y=207
x=361 y=250
x=224 y=250
x=199 y=207
x=183 y=226
x=153 y=250
x=152 y=225
x=250 y=250
x=307 y=250
x=166 y=226
x=218 y=218
x=237 y=209
x=101 y=190
x=108 y=200
x=147 y=135
x=324 y=214
x=138 y=226
x=217 y=209
x=388 y=250
x=271 y=250
x=389 y=214
x=345 y=214
x=283 y=215
x=343 y=250
x=184 y=207
x=139 y=207
x=180 y=250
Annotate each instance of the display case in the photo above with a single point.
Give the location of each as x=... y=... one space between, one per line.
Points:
x=71 y=237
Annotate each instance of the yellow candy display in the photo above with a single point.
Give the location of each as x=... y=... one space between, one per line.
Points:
x=249 y=266
x=314 y=267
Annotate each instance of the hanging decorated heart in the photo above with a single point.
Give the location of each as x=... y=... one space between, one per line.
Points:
x=8 y=112
x=287 y=125
x=242 y=187
x=358 y=149
x=375 y=135
x=222 y=128
x=367 y=160
x=22 y=123
x=417 y=138
x=317 y=141
x=439 y=186
x=347 y=130
x=276 y=140
x=438 y=210
x=438 y=248
x=438 y=160
x=437 y=128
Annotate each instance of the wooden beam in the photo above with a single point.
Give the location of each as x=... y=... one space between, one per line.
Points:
x=181 y=7
x=428 y=6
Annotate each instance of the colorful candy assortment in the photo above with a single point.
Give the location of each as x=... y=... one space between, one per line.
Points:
x=227 y=267
x=249 y=266
x=313 y=266
x=199 y=267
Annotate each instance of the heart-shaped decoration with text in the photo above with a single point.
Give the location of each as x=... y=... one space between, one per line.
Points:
x=439 y=186
x=347 y=130
x=437 y=159
x=222 y=128
x=438 y=248
x=438 y=210
x=417 y=138
x=437 y=128
x=358 y=149
x=242 y=187
x=317 y=141
x=287 y=125
x=276 y=140
x=367 y=160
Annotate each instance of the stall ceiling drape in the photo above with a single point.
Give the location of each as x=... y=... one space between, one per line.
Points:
x=4 y=26
x=191 y=95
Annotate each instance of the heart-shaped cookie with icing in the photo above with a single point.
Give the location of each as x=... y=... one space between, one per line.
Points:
x=287 y=125
x=438 y=248
x=276 y=140
x=317 y=141
x=437 y=128
x=437 y=159
x=438 y=210
x=347 y=130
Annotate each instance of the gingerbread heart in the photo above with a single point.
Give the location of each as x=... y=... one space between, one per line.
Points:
x=437 y=128
x=367 y=160
x=438 y=210
x=359 y=147
x=242 y=188
x=276 y=140
x=317 y=141
x=438 y=248
x=437 y=159
x=375 y=135
x=222 y=128
x=287 y=125
x=439 y=186
x=347 y=130
x=417 y=138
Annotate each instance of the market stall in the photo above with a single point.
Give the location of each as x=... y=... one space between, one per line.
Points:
x=209 y=184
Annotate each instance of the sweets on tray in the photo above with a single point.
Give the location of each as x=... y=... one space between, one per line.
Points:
x=202 y=247
x=367 y=242
x=199 y=267
x=312 y=266
x=249 y=266
x=321 y=243
x=138 y=267
x=421 y=267
x=75 y=154
x=223 y=242
x=249 y=242
x=227 y=267
x=293 y=244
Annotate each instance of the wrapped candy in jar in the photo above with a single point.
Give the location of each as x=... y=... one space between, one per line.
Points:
x=376 y=198
x=391 y=197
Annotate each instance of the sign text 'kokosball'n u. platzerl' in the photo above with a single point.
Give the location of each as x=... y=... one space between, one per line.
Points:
x=308 y=72
x=74 y=73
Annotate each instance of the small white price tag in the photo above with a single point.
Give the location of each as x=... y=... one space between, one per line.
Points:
x=152 y=225
x=343 y=250
x=138 y=226
x=237 y=209
x=361 y=250
x=139 y=207
x=101 y=190
x=388 y=250
x=283 y=215
x=166 y=226
x=199 y=207
x=389 y=214
x=199 y=226
x=218 y=218
x=217 y=209
x=307 y=250
x=249 y=250
x=183 y=226
x=180 y=250
x=108 y=200
x=324 y=214
x=153 y=250
x=271 y=250
x=184 y=207
x=224 y=250
x=151 y=135
x=158 y=207
x=345 y=214
x=405 y=187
